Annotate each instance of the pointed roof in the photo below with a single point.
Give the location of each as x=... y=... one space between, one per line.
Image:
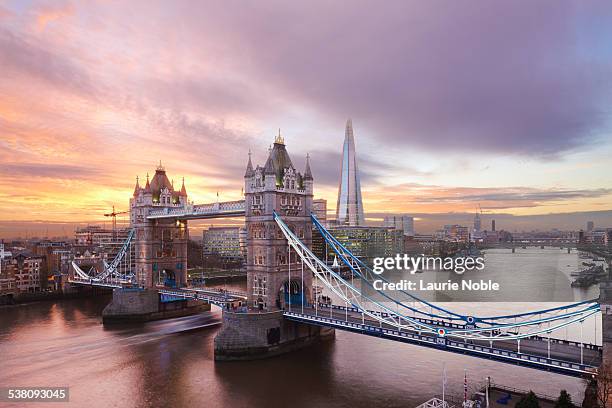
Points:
x=160 y=180
x=137 y=188
x=147 y=188
x=249 y=170
x=183 y=189
x=307 y=172
x=278 y=160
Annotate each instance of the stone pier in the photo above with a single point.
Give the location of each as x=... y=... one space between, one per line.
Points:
x=249 y=336
x=140 y=305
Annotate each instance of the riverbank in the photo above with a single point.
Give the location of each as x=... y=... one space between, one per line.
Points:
x=31 y=297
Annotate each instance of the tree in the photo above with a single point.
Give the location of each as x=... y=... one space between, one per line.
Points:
x=528 y=401
x=564 y=400
x=604 y=385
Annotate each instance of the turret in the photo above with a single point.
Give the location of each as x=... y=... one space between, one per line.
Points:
x=183 y=192
x=147 y=188
x=137 y=188
x=308 y=179
x=307 y=172
x=249 y=170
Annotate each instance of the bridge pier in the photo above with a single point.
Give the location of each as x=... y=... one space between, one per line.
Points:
x=140 y=305
x=250 y=336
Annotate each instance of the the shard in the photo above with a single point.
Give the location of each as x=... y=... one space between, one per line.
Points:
x=349 y=210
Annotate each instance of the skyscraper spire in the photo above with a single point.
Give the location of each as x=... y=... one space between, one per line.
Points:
x=349 y=210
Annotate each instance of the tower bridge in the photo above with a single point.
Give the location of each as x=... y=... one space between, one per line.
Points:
x=281 y=311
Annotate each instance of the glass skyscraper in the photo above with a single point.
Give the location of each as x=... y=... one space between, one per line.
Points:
x=349 y=210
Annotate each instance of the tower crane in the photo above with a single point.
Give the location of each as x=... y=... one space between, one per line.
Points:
x=114 y=214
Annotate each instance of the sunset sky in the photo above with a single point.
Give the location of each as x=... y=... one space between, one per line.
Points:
x=454 y=104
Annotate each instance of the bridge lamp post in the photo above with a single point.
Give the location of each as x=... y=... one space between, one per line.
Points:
x=581 y=344
x=289 y=280
x=316 y=294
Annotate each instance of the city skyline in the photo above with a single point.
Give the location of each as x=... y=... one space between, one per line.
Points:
x=82 y=114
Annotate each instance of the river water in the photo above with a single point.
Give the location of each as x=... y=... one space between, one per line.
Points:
x=170 y=363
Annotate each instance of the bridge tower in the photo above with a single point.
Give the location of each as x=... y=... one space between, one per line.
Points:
x=263 y=331
x=160 y=247
x=276 y=187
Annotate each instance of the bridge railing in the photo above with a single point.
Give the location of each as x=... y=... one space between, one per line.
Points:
x=543 y=362
x=441 y=323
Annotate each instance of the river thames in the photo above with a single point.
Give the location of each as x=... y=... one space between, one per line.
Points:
x=171 y=363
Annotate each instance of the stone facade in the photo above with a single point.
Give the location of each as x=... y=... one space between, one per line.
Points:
x=276 y=187
x=160 y=247
x=248 y=336
x=138 y=305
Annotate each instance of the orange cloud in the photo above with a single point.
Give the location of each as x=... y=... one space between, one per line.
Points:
x=49 y=13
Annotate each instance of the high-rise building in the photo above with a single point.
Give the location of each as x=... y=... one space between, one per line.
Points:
x=319 y=209
x=366 y=243
x=493 y=225
x=224 y=243
x=349 y=210
x=458 y=233
x=590 y=226
x=405 y=223
x=477 y=224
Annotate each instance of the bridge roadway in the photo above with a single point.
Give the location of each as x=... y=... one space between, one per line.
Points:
x=219 y=297
x=564 y=357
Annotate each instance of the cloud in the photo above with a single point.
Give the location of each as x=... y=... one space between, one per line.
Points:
x=439 y=198
x=570 y=221
x=20 y=55
x=513 y=195
x=102 y=91
x=326 y=165
x=56 y=171
x=52 y=12
x=438 y=75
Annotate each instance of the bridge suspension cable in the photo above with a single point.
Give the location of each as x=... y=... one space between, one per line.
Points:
x=119 y=271
x=349 y=294
x=364 y=272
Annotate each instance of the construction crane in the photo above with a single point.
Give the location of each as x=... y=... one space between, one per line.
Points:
x=114 y=214
x=482 y=211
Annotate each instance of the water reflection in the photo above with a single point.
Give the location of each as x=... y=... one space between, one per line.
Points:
x=171 y=363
